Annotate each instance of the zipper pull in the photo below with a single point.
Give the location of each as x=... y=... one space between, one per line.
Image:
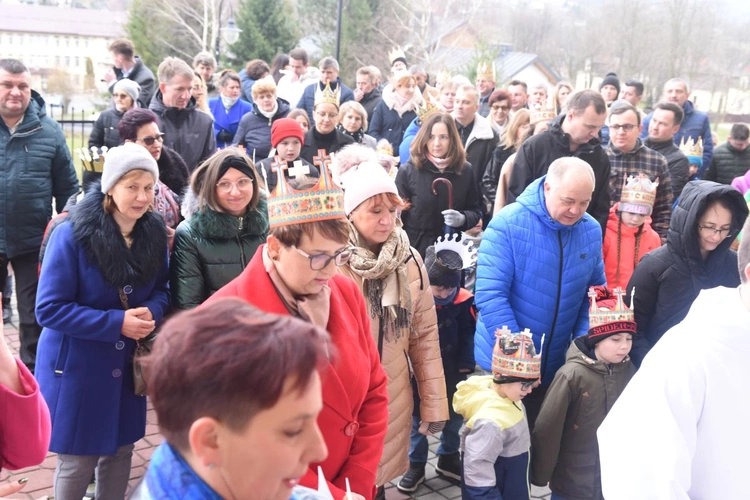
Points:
x=240 y=219
x=26 y=148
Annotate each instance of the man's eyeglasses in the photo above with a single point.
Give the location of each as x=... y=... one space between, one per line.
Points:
x=320 y=261
x=150 y=140
x=712 y=231
x=243 y=185
x=627 y=127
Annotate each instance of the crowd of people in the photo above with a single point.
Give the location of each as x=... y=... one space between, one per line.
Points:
x=308 y=279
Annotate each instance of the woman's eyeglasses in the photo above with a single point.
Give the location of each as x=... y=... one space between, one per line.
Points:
x=150 y=140
x=320 y=261
x=712 y=231
x=243 y=185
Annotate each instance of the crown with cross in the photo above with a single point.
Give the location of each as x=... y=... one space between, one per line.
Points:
x=91 y=159
x=323 y=201
x=613 y=319
x=514 y=355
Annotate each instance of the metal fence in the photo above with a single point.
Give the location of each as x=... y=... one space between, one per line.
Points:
x=76 y=125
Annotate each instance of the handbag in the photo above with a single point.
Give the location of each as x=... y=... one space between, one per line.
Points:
x=142 y=348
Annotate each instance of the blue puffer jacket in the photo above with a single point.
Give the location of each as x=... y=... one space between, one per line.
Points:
x=404 y=150
x=534 y=272
x=695 y=125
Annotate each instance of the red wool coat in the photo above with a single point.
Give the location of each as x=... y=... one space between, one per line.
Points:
x=650 y=240
x=355 y=392
x=24 y=424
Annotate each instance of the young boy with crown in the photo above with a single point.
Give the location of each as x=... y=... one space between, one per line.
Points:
x=564 y=446
x=495 y=437
x=694 y=152
x=629 y=234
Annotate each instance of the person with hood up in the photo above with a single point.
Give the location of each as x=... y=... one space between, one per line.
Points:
x=186 y=129
x=563 y=445
x=629 y=234
x=495 y=439
x=227 y=108
x=395 y=284
x=254 y=133
x=697 y=256
x=394 y=114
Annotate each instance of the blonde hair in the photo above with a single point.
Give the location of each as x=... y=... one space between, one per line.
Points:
x=264 y=87
x=357 y=108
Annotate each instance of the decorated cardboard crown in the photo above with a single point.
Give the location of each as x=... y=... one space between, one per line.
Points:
x=465 y=249
x=327 y=95
x=613 y=318
x=486 y=71
x=323 y=201
x=91 y=159
x=444 y=75
x=426 y=107
x=638 y=194
x=690 y=147
x=542 y=114
x=515 y=356
x=396 y=54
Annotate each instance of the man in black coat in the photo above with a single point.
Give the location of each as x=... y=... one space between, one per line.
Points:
x=575 y=133
x=128 y=65
x=665 y=123
x=367 y=93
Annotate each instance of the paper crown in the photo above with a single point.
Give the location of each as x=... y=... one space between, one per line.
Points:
x=542 y=114
x=323 y=201
x=464 y=248
x=514 y=355
x=443 y=76
x=327 y=95
x=638 y=194
x=690 y=147
x=486 y=71
x=396 y=54
x=608 y=314
x=91 y=159
x=425 y=107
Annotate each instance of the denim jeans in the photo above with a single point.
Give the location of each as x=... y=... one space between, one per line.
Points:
x=450 y=440
x=556 y=497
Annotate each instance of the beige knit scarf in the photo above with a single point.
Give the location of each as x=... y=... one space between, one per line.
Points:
x=385 y=283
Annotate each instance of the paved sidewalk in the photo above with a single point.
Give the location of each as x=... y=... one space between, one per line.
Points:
x=40 y=478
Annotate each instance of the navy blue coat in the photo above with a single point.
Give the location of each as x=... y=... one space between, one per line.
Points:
x=387 y=124
x=84 y=364
x=254 y=131
x=535 y=273
x=227 y=120
x=307 y=101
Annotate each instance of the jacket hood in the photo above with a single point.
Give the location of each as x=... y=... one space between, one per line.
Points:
x=614 y=220
x=475 y=394
x=682 y=237
x=481 y=130
x=157 y=104
x=533 y=199
x=580 y=354
x=688 y=108
x=36 y=110
x=563 y=138
x=282 y=109
x=389 y=97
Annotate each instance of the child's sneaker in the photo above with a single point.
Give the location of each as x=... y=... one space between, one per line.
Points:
x=412 y=479
x=449 y=466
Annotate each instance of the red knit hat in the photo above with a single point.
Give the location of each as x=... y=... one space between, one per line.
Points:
x=286 y=127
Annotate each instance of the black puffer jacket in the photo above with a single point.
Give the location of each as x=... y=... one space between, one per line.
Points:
x=315 y=141
x=679 y=165
x=491 y=176
x=254 y=131
x=211 y=249
x=423 y=221
x=728 y=163
x=669 y=279
x=188 y=131
x=537 y=153
x=104 y=132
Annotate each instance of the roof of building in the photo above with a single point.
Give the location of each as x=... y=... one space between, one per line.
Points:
x=62 y=21
x=507 y=65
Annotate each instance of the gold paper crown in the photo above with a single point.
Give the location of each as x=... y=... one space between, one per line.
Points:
x=327 y=95
x=638 y=194
x=618 y=319
x=444 y=75
x=691 y=148
x=542 y=114
x=287 y=206
x=486 y=71
x=425 y=108
x=92 y=160
x=396 y=54
x=514 y=355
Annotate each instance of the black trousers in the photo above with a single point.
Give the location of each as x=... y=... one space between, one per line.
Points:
x=25 y=269
x=533 y=403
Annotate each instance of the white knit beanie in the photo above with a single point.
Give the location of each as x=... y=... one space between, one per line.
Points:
x=122 y=159
x=364 y=181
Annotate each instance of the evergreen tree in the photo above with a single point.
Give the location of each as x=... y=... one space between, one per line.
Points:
x=145 y=35
x=269 y=27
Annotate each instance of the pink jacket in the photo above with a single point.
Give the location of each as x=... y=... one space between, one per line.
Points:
x=24 y=424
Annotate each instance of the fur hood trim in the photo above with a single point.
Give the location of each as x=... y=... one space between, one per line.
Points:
x=104 y=245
